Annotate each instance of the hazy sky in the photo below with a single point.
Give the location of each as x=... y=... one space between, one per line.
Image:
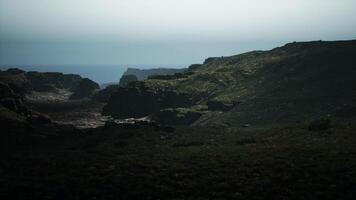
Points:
x=162 y=31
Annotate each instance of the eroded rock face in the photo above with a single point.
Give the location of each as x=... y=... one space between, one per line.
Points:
x=139 y=102
x=85 y=89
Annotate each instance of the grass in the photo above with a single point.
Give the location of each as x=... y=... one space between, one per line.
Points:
x=190 y=163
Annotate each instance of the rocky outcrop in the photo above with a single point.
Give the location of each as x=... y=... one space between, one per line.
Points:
x=50 y=81
x=126 y=79
x=136 y=102
x=85 y=89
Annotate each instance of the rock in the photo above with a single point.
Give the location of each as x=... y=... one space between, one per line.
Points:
x=85 y=89
x=139 y=102
x=50 y=81
x=126 y=79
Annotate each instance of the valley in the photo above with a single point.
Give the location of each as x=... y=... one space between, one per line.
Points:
x=276 y=124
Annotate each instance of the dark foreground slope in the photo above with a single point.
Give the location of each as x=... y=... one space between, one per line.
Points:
x=298 y=81
x=55 y=162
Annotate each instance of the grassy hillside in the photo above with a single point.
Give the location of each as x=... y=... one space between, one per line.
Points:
x=293 y=82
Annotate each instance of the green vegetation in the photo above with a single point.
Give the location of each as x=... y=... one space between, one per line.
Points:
x=298 y=81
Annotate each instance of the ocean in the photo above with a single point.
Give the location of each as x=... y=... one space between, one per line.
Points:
x=99 y=73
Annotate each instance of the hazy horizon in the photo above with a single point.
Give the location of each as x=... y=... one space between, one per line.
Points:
x=127 y=32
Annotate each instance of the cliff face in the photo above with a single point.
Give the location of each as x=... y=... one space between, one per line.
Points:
x=293 y=82
x=138 y=101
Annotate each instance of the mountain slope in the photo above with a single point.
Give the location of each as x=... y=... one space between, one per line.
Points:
x=298 y=81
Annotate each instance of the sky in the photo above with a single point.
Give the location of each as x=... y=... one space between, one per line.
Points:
x=162 y=31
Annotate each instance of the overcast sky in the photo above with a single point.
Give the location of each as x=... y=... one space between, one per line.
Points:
x=162 y=31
